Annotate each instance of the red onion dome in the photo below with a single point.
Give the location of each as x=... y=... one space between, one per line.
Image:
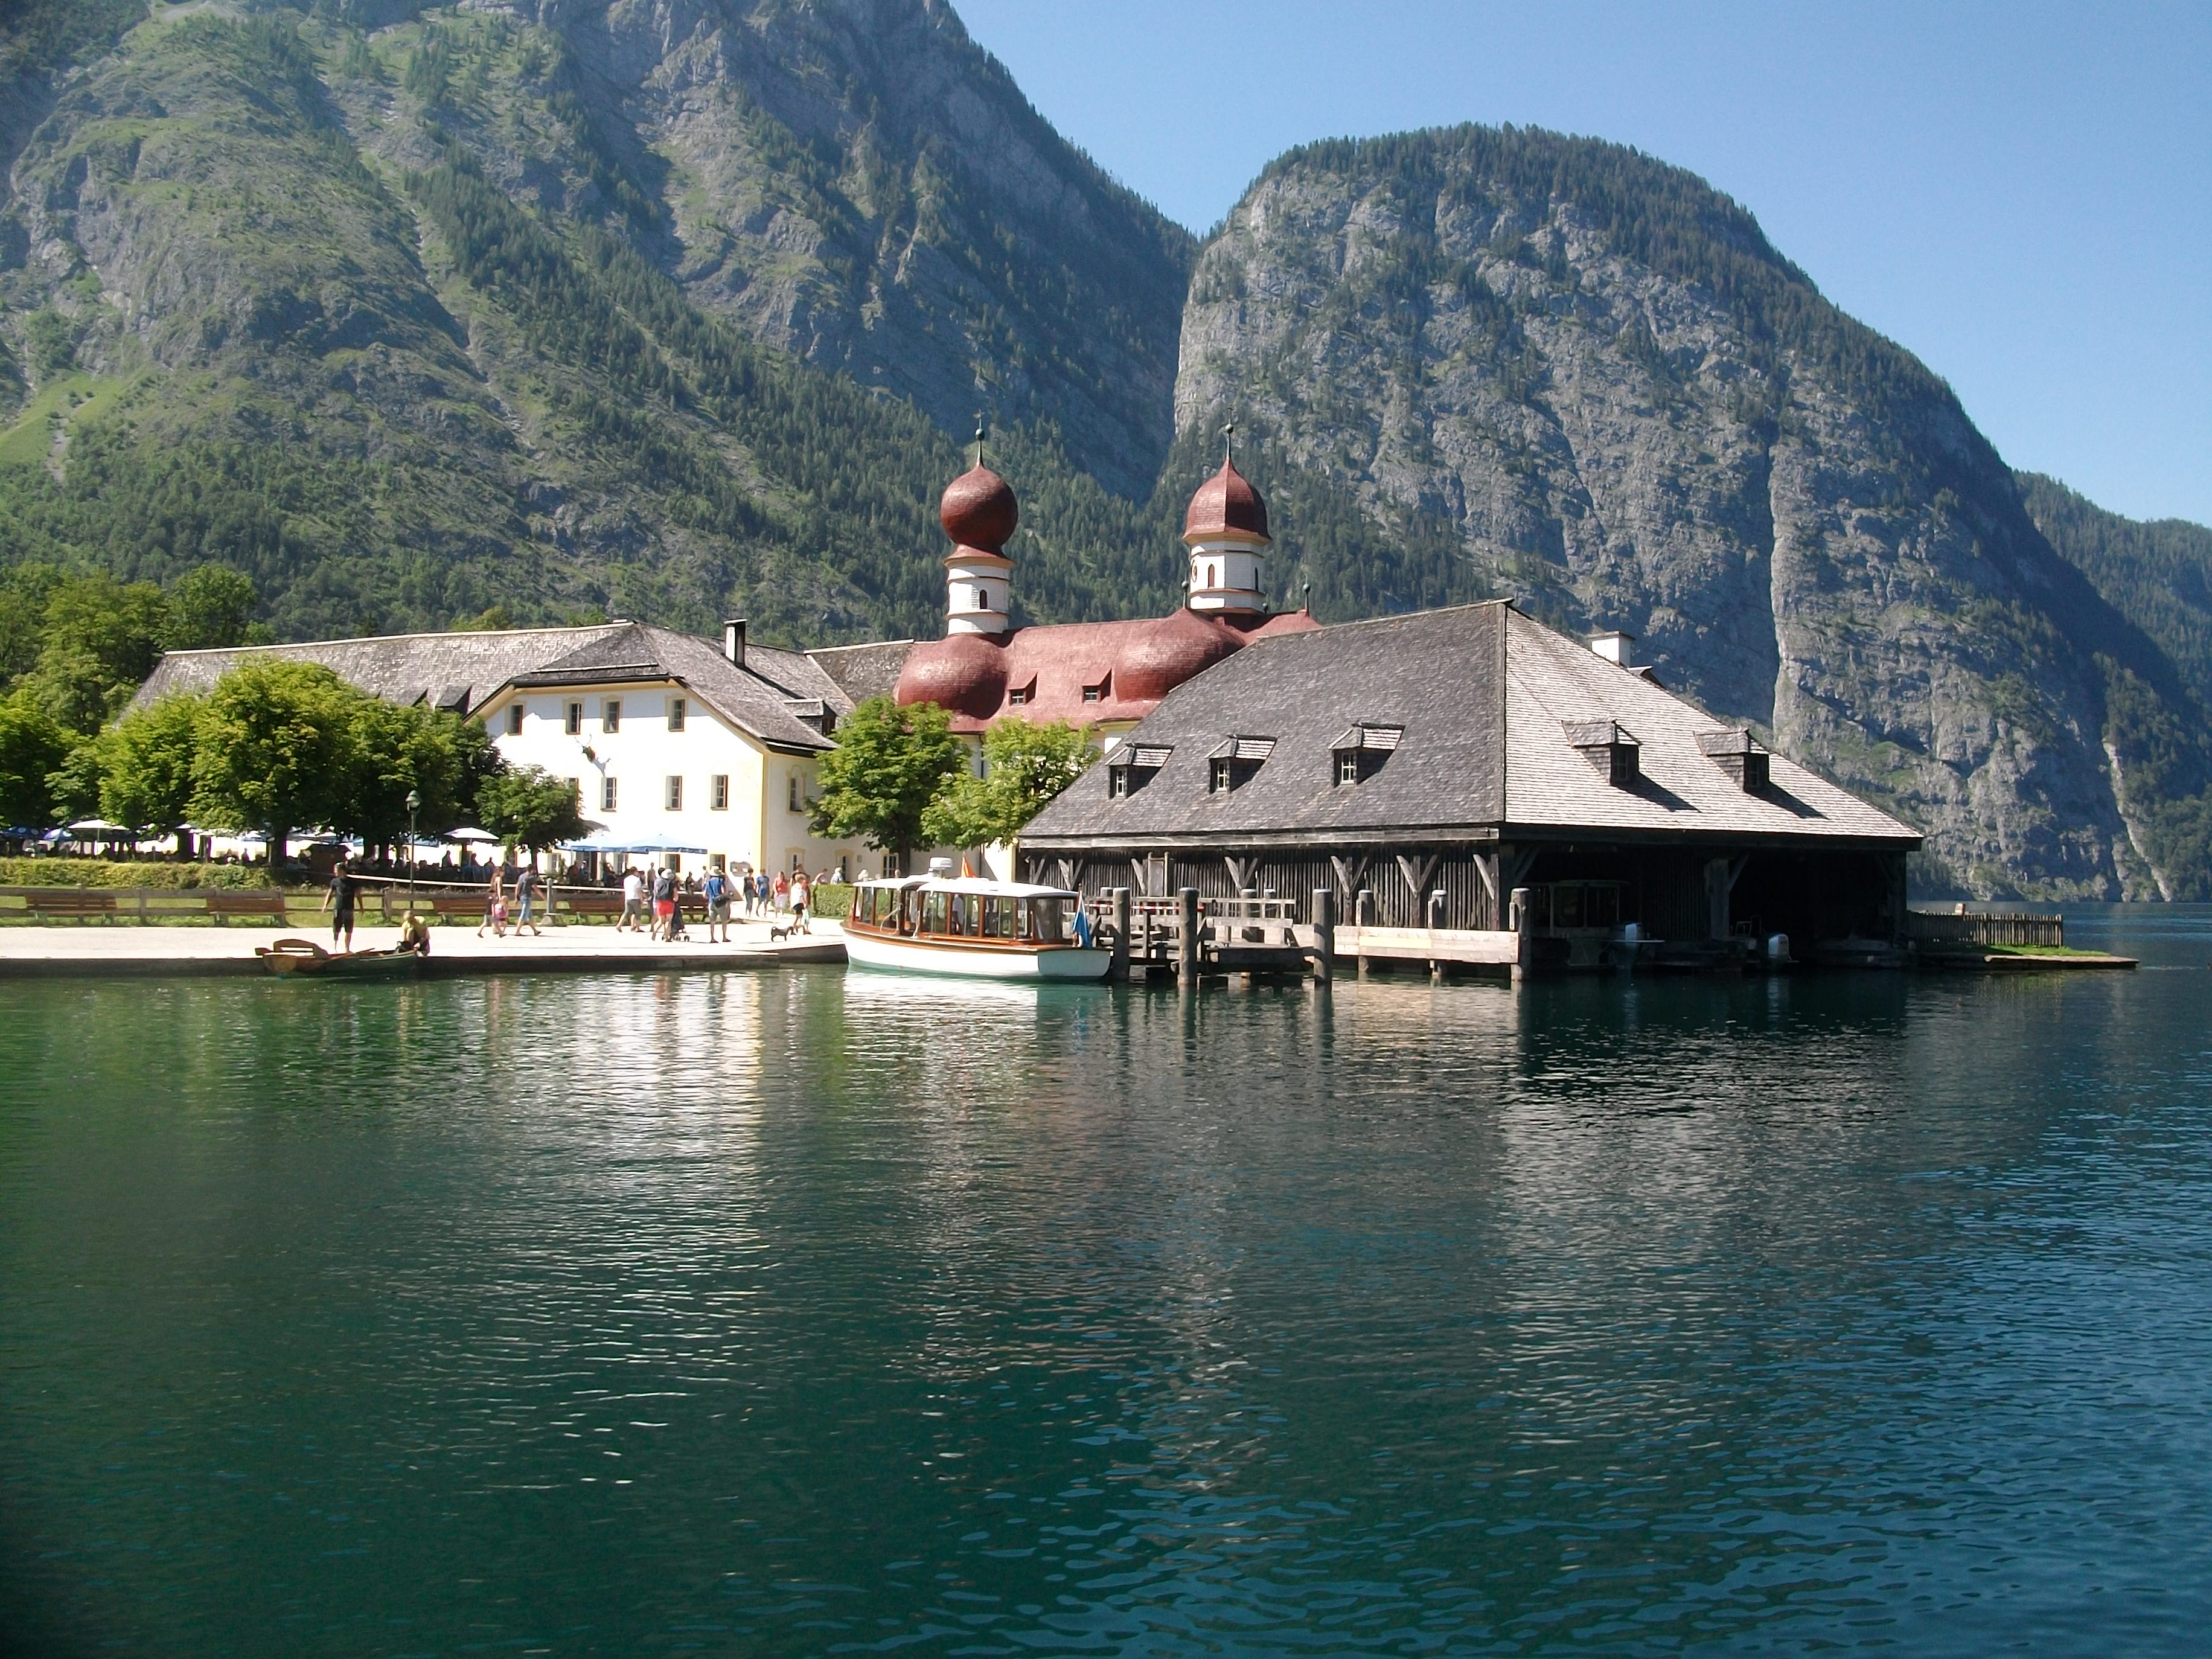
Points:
x=978 y=510
x=965 y=673
x=1226 y=504
x=1169 y=652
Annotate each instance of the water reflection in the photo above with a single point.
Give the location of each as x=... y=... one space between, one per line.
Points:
x=794 y=1312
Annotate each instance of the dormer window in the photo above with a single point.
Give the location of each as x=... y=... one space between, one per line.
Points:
x=1610 y=748
x=1738 y=753
x=1018 y=694
x=1099 y=691
x=1361 y=751
x=1234 y=762
x=1135 y=767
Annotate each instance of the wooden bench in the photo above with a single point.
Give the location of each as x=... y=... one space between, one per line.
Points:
x=468 y=906
x=75 y=903
x=590 y=901
x=222 y=902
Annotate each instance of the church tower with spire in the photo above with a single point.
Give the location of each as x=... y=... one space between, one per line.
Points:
x=979 y=514
x=1226 y=531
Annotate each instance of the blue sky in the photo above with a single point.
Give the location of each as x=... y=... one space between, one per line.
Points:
x=2021 y=195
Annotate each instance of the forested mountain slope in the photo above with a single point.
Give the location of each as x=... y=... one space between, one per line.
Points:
x=1634 y=413
x=413 y=322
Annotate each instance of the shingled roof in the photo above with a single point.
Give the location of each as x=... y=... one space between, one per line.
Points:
x=775 y=697
x=861 y=671
x=1484 y=699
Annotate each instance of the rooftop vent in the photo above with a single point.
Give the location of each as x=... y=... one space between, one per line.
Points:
x=1610 y=748
x=1739 y=754
x=1615 y=647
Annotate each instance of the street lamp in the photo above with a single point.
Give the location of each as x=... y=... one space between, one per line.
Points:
x=414 y=805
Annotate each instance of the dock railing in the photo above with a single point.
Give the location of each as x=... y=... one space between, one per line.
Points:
x=1984 y=928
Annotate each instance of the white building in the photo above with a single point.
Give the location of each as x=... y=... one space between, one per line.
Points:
x=667 y=737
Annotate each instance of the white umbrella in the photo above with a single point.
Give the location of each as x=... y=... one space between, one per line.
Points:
x=473 y=835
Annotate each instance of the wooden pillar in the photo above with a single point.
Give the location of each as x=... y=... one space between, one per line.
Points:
x=1324 y=922
x=1435 y=920
x=1363 y=912
x=1517 y=914
x=1120 y=969
x=1186 y=936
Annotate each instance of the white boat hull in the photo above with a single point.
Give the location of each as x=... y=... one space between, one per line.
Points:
x=971 y=962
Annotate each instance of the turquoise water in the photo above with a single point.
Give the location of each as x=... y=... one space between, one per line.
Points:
x=785 y=1314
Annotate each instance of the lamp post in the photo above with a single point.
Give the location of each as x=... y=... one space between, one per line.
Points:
x=414 y=806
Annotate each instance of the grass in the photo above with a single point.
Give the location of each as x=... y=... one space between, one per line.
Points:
x=73 y=398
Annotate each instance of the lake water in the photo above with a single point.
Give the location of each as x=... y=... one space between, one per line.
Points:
x=791 y=1313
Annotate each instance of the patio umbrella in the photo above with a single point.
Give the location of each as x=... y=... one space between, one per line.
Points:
x=659 y=844
x=471 y=834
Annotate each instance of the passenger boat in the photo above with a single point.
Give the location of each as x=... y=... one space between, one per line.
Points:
x=971 y=926
x=303 y=957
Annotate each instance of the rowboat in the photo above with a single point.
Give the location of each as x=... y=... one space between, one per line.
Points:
x=294 y=957
x=973 y=927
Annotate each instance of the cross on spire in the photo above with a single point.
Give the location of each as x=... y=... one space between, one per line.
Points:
x=1229 y=443
x=979 y=437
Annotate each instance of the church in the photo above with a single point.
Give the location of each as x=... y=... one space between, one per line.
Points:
x=1107 y=675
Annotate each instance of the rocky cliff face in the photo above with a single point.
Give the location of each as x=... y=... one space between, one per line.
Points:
x=1637 y=415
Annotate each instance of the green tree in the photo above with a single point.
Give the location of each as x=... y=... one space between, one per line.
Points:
x=32 y=746
x=74 y=786
x=887 y=766
x=275 y=750
x=146 y=766
x=1025 y=766
x=529 y=806
x=211 y=605
x=99 y=641
x=443 y=757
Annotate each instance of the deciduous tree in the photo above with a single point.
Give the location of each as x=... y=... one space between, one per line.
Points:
x=1025 y=766
x=146 y=766
x=887 y=766
x=274 y=750
x=32 y=745
x=529 y=806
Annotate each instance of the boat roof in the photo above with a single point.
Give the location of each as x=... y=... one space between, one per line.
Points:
x=975 y=885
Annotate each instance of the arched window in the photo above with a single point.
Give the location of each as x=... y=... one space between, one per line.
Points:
x=1209 y=575
x=983 y=598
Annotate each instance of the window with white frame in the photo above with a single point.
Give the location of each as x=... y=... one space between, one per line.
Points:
x=574 y=720
x=611 y=714
x=677 y=710
x=675 y=794
x=718 y=792
x=796 y=804
x=606 y=794
x=514 y=719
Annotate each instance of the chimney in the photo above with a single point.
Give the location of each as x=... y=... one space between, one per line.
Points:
x=1615 y=647
x=733 y=640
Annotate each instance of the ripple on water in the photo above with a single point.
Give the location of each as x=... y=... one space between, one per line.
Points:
x=791 y=1313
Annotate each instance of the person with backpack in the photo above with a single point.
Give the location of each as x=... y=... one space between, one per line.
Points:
x=664 y=906
x=718 y=906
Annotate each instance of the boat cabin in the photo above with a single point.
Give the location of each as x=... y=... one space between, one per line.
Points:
x=925 y=907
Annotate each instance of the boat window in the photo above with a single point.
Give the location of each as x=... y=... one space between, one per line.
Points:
x=933 y=914
x=1023 y=920
x=1051 y=926
x=998 y=918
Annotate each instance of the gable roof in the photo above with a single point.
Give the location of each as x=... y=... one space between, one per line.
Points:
x=861 y=671
x=401 y=668
x=1484 y=698
x=466 y=671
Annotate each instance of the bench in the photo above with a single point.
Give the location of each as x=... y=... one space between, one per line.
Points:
x=223 y=903
x=590 y=901
x=75 y=903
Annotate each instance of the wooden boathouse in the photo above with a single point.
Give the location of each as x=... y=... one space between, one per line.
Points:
x=1470 y=786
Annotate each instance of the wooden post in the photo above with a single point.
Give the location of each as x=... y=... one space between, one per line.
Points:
x=1120 y=969
x=1435 y=918
x=1186 y=936
x=1363 y=912
x=1324 y=902
x=1517 y=913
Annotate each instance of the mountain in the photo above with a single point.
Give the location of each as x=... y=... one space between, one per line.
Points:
x=669 y=311
x=1633 y=412
x=550 y=309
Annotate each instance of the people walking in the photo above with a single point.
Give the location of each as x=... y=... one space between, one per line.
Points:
x=782 y=892
x=338 y=901
x=526 y=901
x=664 y=905
x=718 y=906
x=494 y=916
x=800 y=892
x=633 y=910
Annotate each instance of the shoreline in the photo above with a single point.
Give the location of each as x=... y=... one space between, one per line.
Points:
x=128 y=951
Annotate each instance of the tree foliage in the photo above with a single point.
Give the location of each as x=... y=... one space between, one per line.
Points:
x=528 y=807
x=274 y=749
x=886 y=768
x=1025 y=766
x=32 y=745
